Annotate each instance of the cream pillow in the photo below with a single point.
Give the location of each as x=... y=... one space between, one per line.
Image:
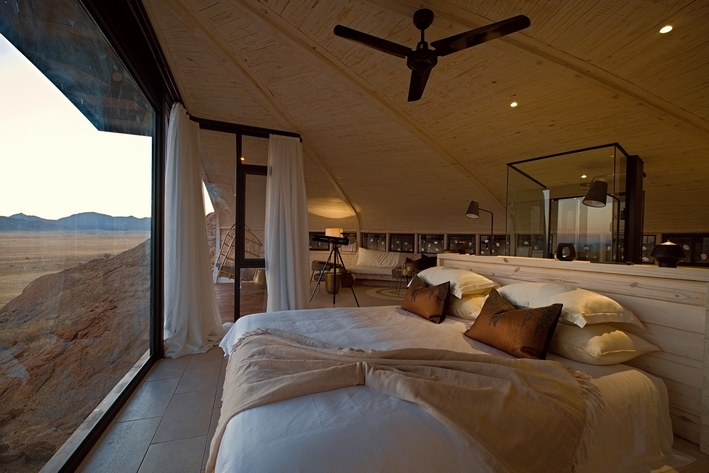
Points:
x=598 y=344
x=380 y=259
x=467 y=307
x=367 y=257
x=462 y=281
x=581 y=307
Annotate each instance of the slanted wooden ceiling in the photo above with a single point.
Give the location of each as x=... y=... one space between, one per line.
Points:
x=584 y=74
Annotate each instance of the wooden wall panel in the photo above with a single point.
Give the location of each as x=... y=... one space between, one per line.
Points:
x=672 y=303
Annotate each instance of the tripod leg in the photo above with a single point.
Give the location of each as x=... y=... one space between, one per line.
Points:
x=344 y=271
x=322 y=271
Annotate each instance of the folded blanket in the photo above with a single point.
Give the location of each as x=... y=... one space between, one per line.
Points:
x=517 y=415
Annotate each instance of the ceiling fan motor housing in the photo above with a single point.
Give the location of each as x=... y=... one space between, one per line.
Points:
x=423 y=18
x=422 y=59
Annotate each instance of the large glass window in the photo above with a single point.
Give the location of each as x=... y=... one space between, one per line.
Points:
x=402 y=242
x=374 y=241
x=462 y=243
x=76 y=146
x=431 y=244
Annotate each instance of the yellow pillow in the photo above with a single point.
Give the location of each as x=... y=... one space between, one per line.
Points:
x=598 y=344
x=462 y=281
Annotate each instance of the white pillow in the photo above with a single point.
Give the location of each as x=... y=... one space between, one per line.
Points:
x=467 y=307
x=581 y=307
x=462 y=281
x=598 y=344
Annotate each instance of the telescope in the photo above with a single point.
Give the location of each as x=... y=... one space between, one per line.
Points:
x=332 y=239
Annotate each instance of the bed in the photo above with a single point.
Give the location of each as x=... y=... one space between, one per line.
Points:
x=358 y=429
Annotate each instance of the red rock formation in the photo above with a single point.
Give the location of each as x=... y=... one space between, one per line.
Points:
x=65 y=342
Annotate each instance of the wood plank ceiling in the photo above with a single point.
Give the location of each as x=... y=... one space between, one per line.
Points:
x=584 y=74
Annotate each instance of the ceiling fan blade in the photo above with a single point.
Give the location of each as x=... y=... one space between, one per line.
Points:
x=372 y=41
x=417 y=84
x=480 y=35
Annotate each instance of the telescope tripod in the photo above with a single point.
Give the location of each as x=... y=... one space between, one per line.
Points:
x=335 y=256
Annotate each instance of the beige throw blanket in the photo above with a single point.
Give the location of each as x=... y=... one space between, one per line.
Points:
x=518 y=415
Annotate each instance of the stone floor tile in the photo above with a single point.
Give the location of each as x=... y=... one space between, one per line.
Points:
x=187 y=415
x=179 y=456
x=122 y=448
x=149 y=400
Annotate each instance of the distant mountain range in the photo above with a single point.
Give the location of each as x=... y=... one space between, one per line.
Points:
x=83 y=222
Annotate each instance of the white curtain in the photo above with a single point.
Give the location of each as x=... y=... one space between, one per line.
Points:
x=192 y=320
x=286 y=239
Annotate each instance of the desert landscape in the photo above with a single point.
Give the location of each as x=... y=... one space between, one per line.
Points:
x=25 y=256
x=74 y=317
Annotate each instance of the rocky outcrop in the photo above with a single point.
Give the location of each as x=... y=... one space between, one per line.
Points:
x=65 y=342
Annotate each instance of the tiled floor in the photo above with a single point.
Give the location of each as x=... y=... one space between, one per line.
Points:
x=167 y=424
x=169 y=421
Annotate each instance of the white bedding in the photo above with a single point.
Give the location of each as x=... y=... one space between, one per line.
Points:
x=356 y=429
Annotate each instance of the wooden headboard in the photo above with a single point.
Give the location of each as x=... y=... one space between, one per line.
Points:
x=672 y=303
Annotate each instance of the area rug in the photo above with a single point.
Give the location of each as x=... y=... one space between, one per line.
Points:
x=388 y=293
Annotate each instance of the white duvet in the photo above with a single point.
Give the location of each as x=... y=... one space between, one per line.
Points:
x=356 y=429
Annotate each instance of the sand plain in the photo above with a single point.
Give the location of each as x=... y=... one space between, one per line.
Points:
x=25 y=256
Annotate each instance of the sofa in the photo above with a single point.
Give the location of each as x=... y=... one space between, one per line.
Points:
x=377 y=266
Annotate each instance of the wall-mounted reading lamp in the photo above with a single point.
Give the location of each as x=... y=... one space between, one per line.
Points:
x=474 y=212
x=596 y=197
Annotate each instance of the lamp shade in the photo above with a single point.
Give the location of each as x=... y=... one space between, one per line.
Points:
x=597 y=194
x=667 y=255
x=333 y=232
x=473 y=209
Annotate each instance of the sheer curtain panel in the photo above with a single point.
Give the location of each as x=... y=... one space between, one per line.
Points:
x=286 y=239
x=192 y=320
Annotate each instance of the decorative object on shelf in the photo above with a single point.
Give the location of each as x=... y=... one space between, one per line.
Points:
x=667 y=255
x=566 y=252
x=474 y=212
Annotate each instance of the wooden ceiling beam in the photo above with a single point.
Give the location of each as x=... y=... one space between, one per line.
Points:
x=203 y=32
x=277 y=27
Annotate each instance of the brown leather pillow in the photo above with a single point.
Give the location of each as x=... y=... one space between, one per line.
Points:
x=524 y=333
x=427 y=302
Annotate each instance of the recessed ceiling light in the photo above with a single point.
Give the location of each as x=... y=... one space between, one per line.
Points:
x=243 y=158
x=513 y=104
x=666 y=29
x=583 y=176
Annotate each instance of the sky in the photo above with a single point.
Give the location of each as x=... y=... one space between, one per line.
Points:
x=53 y=162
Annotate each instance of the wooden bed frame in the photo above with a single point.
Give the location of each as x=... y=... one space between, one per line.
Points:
x=672 y=303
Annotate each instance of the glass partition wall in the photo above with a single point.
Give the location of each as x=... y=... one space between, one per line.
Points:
x=549 y=202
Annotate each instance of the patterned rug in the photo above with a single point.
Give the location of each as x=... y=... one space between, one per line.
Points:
x=388 y=293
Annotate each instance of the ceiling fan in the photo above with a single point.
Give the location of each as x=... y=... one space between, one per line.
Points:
x=421 y=60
